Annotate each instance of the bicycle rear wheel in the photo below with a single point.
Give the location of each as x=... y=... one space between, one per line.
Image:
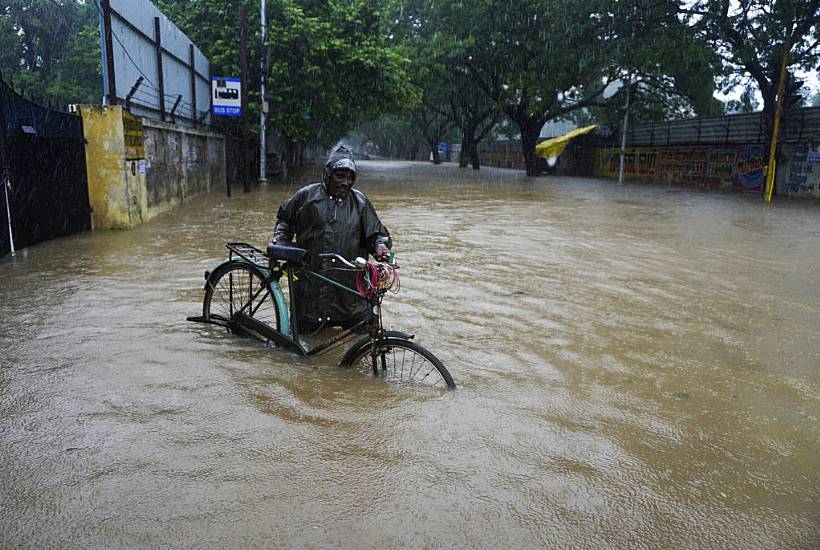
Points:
x=403 y=361
x=237 y=287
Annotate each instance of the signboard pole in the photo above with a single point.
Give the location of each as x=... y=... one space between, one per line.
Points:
x=6 y=182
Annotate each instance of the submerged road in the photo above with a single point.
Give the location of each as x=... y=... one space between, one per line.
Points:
x=637 y=367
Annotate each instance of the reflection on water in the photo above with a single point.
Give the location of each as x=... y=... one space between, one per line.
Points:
x=637 y=366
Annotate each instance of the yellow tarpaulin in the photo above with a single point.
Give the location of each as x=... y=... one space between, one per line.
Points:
x=552 y=148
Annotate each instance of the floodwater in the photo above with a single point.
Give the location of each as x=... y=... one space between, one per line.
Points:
x=637 y=367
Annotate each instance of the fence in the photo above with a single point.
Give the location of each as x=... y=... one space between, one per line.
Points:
x=44 y=156
x=797 y=126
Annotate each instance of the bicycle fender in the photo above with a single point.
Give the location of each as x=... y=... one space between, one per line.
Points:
x=365 y=341
x=282 y=308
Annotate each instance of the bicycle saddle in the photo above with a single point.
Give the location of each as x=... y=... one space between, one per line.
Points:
x=287 y=253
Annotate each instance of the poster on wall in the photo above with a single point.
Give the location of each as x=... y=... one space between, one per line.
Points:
x=750 y=168
x=134 y=139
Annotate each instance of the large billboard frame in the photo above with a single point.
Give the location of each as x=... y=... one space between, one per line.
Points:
x=151 y=66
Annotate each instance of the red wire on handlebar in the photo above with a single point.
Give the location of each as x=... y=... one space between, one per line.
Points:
x=376 y=278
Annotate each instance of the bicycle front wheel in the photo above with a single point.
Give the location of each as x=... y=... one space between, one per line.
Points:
x=403 y=361
x=237 y=287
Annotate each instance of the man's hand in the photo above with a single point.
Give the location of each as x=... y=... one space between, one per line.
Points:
x=381 y=251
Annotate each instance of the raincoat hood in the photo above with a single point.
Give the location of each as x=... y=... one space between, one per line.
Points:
x=340 y=158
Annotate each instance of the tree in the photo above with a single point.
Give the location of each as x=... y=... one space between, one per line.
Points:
x=330 y=66
x=541 y=60
x=394 y=135
x=751 y=37
x=473 y=112
x=331 y=69
x=450 y=96
x=51 y=49
x=659 y=60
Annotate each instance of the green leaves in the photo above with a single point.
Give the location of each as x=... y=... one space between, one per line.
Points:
x=750 y=37
x=51 y=49
x=330 y=65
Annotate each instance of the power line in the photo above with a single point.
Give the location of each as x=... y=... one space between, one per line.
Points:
x=148 y=80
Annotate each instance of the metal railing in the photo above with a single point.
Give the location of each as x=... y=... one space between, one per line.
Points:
x=797 y=125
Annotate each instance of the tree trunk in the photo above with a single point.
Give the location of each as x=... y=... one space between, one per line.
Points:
x=769 y=108
x=529 y=126
x=529 y=136
x=474 y=156
x=466 y=146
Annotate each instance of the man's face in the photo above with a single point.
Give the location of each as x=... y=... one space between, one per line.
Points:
x=340 y=182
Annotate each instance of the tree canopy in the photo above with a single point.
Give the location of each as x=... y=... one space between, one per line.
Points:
x=432 y=65
x=751 y=37
x=50 y=49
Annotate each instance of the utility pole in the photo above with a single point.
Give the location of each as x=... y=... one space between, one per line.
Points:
x=623 y=132
x=626 y=111
x=263 y=111
x=781 y=89
x=243 y=67
x=110 y=97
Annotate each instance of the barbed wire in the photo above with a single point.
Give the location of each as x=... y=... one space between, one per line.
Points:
x=191 y=109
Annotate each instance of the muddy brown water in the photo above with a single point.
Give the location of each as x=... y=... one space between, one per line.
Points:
x=637 y=367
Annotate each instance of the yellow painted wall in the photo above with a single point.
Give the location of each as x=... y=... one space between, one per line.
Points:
x=135 y=176
x=116 y=191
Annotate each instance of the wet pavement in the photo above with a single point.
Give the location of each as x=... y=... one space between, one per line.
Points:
x=637 y=367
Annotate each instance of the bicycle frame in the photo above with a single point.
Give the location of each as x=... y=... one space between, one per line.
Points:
x=244 y=307
x=289 y=336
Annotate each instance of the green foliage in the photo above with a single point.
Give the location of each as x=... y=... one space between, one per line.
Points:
x=670 y=71
x=329 y=67
x=396 y=136
x=750 y=37
x=539 y=60
x=51 y=49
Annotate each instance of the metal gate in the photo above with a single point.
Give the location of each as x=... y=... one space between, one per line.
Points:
x=42 y=162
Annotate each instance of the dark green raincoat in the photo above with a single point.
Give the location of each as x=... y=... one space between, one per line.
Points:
x=347 y=225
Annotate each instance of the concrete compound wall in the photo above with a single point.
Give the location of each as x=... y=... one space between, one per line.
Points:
x=742 y=167
x=138 y=168
x=180 y=163
x=799 y=172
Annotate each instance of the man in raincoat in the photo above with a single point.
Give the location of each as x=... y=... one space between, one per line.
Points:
x=331 y=216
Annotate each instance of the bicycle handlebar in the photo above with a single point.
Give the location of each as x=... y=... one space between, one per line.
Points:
x=289 y=253
x=358 y=263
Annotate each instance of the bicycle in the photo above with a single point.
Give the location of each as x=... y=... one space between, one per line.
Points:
x=244 y=295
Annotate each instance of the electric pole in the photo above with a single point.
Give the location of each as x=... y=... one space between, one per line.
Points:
x=263 y=111
x=623 y=132
x=243 y=67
